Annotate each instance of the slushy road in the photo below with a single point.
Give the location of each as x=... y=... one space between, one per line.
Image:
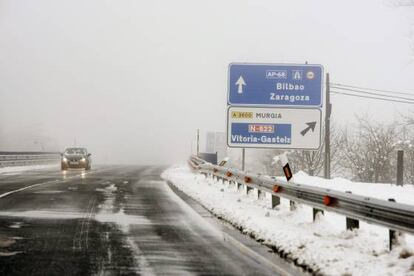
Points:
x=113 y=220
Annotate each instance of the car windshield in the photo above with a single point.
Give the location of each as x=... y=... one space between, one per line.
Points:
x=75 y=151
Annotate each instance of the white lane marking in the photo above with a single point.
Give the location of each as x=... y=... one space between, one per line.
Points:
x=8 y=254
x=88 y=222
x=44 y=214
x=119 y=218
x=49 y=182
x=51 y=192
x=27 y=187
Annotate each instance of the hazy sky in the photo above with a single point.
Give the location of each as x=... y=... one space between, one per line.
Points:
x=133 y=80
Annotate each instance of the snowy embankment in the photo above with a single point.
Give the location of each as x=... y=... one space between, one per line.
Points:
x=402 y=194
x=323 y=246
x=19 y=169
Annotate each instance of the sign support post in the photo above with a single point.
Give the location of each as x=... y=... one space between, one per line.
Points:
x=198 y=142
x=243 y=159
x=328 y=110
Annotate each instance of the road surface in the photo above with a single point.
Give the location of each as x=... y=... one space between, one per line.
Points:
x=118 y=220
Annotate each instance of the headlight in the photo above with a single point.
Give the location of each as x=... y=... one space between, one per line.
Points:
x=64 y=159
x=83 y=159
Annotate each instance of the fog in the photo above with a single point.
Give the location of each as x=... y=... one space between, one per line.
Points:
x=133 y=80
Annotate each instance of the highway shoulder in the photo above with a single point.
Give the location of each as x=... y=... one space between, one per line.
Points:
x=245 y=244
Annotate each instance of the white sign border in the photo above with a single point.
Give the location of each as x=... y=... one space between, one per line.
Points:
x=272 y=107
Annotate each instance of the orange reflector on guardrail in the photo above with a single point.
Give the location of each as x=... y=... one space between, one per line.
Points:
x=247 y=179
x=229 y=174
x=327 y=200
x=215 y=170
x=276 y=188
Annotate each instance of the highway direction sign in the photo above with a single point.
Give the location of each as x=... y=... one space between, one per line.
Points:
x=275 y=84
x=284 y=128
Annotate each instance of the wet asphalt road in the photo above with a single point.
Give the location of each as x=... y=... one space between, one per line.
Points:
x=109 y=221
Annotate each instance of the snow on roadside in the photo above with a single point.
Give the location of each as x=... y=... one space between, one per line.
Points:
x=322 y=246
x=402 y=194
x=19 y=169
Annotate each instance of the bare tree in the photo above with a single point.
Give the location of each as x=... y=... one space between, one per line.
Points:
x=265 y=158
x=308 y=161
x=369 y=151
x=256 y=160
x=312 y=162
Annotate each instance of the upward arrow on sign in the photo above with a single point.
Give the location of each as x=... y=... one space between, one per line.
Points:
x=240 y=82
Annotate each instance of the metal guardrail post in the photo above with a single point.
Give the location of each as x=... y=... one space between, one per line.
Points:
x=239 y=186
x=256 y=193
x=247 y=189
x=274 y=200
x=393 y=235
x=292 y=205
x=351 y=224
x=315 y=212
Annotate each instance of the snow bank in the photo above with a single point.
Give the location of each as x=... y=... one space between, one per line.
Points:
x=19 y=169
x=323 y=246
x=402 y=194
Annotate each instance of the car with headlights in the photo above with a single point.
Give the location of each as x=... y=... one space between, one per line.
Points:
x=78 y=158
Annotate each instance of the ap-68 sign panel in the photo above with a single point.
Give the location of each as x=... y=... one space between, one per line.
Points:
x=275 y=85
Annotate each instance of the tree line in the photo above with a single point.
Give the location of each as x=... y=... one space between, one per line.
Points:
x=364 y=152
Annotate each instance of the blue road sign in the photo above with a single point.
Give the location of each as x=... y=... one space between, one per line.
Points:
x=275 y=85
x=257 y=134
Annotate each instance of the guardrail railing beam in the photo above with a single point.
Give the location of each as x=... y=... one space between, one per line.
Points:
x=8 y=159
x=395 y=216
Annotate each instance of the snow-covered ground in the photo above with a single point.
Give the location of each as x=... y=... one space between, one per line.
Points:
x=19 y=169
x=402 y=194
x=324 y=246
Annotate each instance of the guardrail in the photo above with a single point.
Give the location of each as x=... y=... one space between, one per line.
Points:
x=8 y=159
x=390 y=214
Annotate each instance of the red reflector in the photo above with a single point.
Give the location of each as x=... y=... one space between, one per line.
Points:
x=276 y=189
x=229 y=174
x=327 y=200
x=247 y=179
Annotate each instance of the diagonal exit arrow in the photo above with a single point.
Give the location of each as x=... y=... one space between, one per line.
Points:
x=311 y=125
x=240 y=82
